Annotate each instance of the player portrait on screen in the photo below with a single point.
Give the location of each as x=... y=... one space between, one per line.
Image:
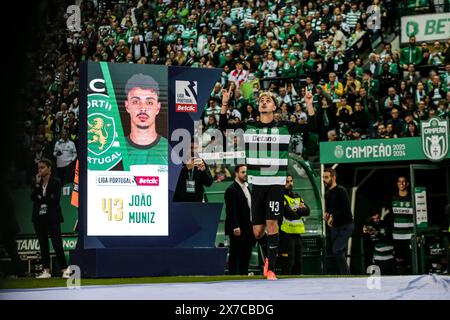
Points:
x=145 y=146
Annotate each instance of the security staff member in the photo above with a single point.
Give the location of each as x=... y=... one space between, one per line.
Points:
x=238 y=224
x=292 y=227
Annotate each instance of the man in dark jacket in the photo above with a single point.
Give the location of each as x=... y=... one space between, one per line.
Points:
x=238 y=224
x=339 y=218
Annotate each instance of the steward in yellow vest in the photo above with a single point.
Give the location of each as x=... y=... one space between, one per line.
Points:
x=292 y=227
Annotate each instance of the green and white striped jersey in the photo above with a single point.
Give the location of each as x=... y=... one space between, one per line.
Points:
x=383 y=248
x=267 y=154
x=383 y=252
x=403 y=218
x=267 y=148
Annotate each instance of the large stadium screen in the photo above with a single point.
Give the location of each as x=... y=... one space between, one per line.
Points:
x=127 y=150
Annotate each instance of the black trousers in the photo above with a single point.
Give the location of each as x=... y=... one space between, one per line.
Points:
x=240 y=253
x=402 y=252
x=44 y=228
x=290 y=258
x=66 y=174
x=339 y=240
x=387 y=267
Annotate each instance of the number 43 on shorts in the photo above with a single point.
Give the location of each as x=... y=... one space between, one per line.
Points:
x=274 y=206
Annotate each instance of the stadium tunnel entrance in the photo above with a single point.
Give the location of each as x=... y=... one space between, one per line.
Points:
x=370 y=186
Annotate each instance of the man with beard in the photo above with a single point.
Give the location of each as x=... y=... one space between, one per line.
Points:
x=144 y=144
x=339 y=218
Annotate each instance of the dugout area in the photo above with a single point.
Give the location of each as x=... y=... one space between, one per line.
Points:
x=370 y=186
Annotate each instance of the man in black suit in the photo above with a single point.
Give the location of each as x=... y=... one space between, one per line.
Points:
x=238 y=224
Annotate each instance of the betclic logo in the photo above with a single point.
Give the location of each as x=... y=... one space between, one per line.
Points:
x=186 y=96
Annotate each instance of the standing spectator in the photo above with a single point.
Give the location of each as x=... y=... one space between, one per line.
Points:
x=403 y=214
x=352 y=87
x=397 y=122
x=371 y=85
x=411 y=54
x=270 y=66
x=392 y=101
x=238 y=75
x=291 y=229
x=47 y=217
x=309 y=37
x=412 y=77
x=334 y=88
x=138 y=49
x=339 y=218
x=238 y=225
x=360 y=118
x=436 y=90
x=66 y=154
x=352 y=17
x=419 y=94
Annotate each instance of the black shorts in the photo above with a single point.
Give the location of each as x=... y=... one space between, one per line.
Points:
x=267 y=203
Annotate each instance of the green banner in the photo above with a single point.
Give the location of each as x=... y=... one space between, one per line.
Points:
x=376 y=150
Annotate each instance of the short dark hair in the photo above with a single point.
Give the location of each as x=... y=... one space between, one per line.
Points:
x=47 y=162
x=331 y=171
x=143 y=81
x=238 y=167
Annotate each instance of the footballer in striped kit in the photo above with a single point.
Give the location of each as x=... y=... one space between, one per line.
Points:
x=267 y=155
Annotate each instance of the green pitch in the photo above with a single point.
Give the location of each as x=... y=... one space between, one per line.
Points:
x=30 y=283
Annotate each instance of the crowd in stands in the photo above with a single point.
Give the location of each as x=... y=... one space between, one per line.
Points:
x=285 y=46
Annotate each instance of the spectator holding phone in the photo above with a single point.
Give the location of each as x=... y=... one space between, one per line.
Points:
x=194 y=176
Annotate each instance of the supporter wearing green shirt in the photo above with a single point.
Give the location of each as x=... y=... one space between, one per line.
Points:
x=171 y=35
x=371 y=85
x=411 y=54
x=160 y=6
x=393 y=67
x=145 y=145
x=189 y=33
x=120 y=35
x=287 y=32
